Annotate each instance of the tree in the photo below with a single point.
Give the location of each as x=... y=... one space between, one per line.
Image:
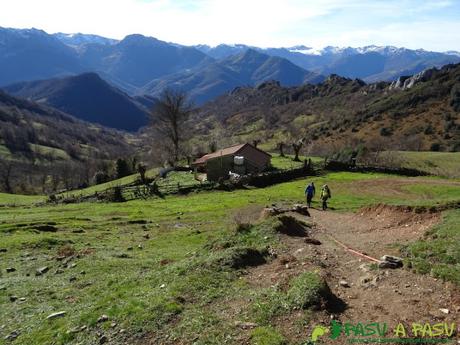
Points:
x=169 y=116
x=142 y=169
x=281 y=148
x=296 y=146
x=6 y=172
x=122 y=168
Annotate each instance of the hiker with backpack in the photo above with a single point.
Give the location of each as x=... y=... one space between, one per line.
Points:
x=310 y=193
x=325 y=195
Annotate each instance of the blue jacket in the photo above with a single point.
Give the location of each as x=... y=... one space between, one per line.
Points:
x=310 y=190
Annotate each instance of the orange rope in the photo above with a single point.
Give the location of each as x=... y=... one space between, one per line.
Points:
x=353 y=251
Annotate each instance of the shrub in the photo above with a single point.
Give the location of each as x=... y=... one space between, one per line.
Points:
x=101 y=177
x=307 y=290
x=116 y=195
x=385 y=132
x=435 y=147
x=267 y=336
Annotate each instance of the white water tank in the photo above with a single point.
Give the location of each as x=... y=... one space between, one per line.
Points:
x=238 y=160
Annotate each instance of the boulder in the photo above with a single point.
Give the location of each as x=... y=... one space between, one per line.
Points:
x=56 y=315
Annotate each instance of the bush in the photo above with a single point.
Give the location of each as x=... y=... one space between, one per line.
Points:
x=116 y=195
x=307 y=290
x=267 y=336
x=435 y=147
x=122 y=168
x=428 y=130
x=101 y=177
x=385 y=132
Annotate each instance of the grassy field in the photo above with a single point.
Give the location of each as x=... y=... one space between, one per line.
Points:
x=437 y=163
x=167 y=269
x=19 y=200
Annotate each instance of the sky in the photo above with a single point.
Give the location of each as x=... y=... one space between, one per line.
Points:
x=431 y=25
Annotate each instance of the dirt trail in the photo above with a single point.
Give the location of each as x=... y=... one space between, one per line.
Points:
x=373 y=295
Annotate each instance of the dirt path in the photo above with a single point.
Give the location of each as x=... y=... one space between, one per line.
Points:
x=372 y=295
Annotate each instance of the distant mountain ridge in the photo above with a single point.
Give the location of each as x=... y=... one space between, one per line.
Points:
x=371 y=63
x=247 y=68
x=86 y=97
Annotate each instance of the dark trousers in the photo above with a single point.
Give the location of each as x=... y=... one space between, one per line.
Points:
x=324 y=204
x=309 y=198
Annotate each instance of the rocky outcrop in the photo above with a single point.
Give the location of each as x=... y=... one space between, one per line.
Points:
x=407 y=82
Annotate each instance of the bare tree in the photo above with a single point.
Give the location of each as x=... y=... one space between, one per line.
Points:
x=6 y=172
x=169 y=116
x=296 y=146
x=281 y=148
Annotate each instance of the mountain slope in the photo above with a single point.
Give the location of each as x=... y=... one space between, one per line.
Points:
x=136 y=60
x=48 y=149
x=413 y=113
x=86 y=97
x=248 y=68
x=33 y=54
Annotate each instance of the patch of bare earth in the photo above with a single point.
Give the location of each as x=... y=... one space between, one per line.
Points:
x=370 y=294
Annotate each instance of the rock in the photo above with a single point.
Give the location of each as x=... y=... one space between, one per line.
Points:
x=13 y=298
x=387 y=264
x=245 y=325
x=72 y=279
x=59 y=271
x=103 y=318
x=3 y=250
x=79 y=231
x=302 y=209
x=444 y=310
x=42 y=270
x=162 y=286
x=394 y=261
x=56 y=315
x=103 y=339
x=368 y=280
x=344 y=283
x=22 y=299
x=146 y=236
x=122 y=256
x=12 y=336
x=2 y=287
x=113 y=325
x=73 y=265
x=83 y=272
x=269 y=212
x=130 y=248
x=140 y=246
x=10 y=269
x=46 y=228
x=314 y=241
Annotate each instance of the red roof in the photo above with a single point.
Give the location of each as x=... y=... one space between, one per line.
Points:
x=224 y=152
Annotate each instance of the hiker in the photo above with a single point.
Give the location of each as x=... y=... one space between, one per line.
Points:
x=325 y=195
x=310 y=193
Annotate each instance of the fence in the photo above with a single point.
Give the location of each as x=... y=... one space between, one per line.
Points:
x=341 y=166
x=137 y=190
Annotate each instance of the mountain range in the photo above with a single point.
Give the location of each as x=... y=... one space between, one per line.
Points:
x=139 y=64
